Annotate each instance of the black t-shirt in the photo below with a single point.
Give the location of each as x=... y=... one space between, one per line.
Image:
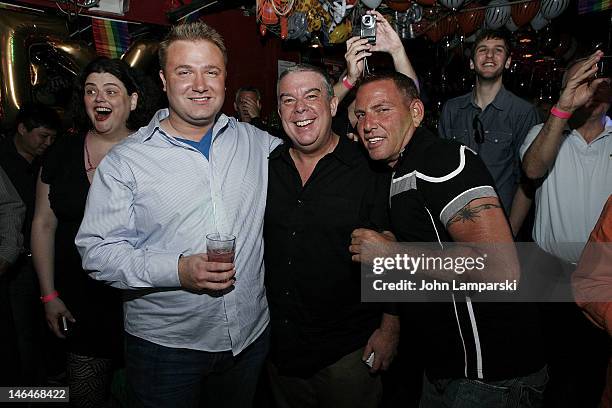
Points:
x=23 y=175
x=432 y=181
x=313 y=287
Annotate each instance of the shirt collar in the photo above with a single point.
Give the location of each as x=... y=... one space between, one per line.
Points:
x=343 y=152
x=500 y=102
x=154 y=125
x=502 y=99
x=413 y=145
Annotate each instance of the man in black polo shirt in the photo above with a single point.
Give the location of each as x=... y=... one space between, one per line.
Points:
x=320 y=188
x=493 y=122
x=476 y=354
x=36 y=128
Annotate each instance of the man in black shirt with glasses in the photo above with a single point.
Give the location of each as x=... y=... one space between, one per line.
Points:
x=493 y=122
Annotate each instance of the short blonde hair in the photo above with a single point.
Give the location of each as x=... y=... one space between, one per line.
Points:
x=196 y=31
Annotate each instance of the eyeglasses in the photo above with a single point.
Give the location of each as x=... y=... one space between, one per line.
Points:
x=478 y=130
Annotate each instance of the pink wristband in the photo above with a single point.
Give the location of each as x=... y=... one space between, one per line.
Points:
x=49 y=297
x=559 y=113
x=347 y=84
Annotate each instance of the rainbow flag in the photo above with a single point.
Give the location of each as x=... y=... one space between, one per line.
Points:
x=589 y=6
x=112 y=38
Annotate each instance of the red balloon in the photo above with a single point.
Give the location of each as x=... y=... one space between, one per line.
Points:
x=426 y=2
x=523 y=13
x=268 y=16
x=284 y=27
x=399 y=5
x=448 y=25
x=470 y=20
x=434 y=33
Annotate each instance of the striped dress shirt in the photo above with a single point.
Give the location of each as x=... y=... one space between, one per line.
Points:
x=153 y=199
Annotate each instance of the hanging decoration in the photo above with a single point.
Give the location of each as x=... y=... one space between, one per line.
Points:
x=341 y=9
x=589 y=6
x=451 y=4
x=471 y=18
x=523 y=13
x=553 y=8
x=539 y=22
x=511 y=26
x=112 y=38
x=399 y=5
x=497 y=14
x=333 y=21
x=372 y=3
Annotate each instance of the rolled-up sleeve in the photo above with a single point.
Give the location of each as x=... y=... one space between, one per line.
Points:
x=108 y=239
x=12 y=212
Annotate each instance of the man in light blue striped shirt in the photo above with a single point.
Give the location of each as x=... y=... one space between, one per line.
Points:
x=155 y=196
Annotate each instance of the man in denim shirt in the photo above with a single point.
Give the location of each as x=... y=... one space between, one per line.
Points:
x=493 y=122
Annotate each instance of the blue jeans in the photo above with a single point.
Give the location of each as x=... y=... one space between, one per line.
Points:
x=161 y=376
x=520 y=392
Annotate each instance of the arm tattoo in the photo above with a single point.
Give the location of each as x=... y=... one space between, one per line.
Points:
x=468 y=213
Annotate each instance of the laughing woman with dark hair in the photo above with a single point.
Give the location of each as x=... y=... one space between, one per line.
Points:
x=108 y=104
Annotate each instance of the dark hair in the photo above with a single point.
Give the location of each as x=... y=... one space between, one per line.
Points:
x=248 y=88
x=329 y=87
x=195 y=31
x=33 y=115
x=491 y=34
x=403 y=83
x=133 y=82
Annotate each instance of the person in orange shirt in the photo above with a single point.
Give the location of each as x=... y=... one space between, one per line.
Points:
x=592 y=284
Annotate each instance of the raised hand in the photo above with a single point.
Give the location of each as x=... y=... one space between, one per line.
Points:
x=581 y=86
x=356 y=50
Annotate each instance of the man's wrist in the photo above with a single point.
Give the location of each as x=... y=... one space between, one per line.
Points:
x=390 y=323
x=561 y=113
x=348 y=82
x=398 y=52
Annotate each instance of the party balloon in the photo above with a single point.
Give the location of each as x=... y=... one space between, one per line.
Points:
x=284 y=28
x=313 y=20
x=341 y=33
x=372 y=3
x=434 y=32
x=263 y=29
x=451 y=4
x=297 y=26
x=497 y=14
x=426 y=2
x=448 y=25
x=511 y=26
x=469 y=20
x=268 y=16
x=523 y=13
x=553 y=8
x=399 y=5
x=539 y=22
x=17 y=32
x=415 y=13
x=341 y=9
x=141 y=54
